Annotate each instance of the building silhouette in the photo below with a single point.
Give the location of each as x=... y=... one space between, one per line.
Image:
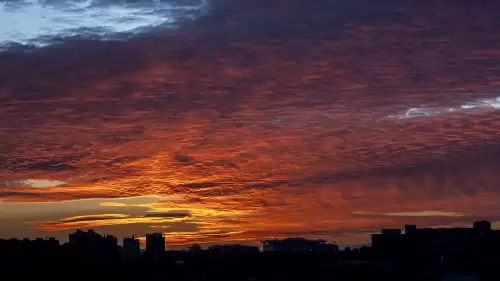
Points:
x=81 y=238
x=432 y=246
x=26 y=249
x=291 y=245
x=131 y=250
x=409 y=228
x=411 y=253
x=195 y=248
x=155 y=245
x=91 y=246
x=482 y=226
x=85 y=244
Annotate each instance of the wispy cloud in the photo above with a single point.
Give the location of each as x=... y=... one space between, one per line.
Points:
x=93 y=218
x=426 y=214
x=172 y=214
x=98 y=221
x=35 y=183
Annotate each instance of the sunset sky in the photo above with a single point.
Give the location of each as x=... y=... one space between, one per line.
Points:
x=257 y=119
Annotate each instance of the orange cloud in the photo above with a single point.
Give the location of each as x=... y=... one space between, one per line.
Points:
x=93 y=218
x=92 y=221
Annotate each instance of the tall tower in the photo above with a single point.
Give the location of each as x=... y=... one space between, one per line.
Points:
x=155 y=245
x=131 y=249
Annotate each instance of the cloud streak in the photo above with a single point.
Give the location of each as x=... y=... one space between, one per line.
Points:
x=94 y=218
x=173 y=214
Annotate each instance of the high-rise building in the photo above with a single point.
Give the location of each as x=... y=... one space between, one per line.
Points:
x=131 y=249
x=155 y=245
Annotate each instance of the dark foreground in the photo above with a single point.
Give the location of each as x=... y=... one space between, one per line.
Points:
x=345 y=265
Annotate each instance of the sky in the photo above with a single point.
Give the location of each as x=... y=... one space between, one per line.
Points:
x=256 y=119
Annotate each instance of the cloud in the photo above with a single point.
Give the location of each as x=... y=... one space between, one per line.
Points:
x=54 y=194
x=200 y=185
x=182 y=158
x=426 y=214
x=93 y=218
x=92 y=222
x=222 y=163
x=113 y=204
x=114 y=127
x=417 y=214
x=45 y=166
x=171 y=214
x=95 y=18
x=36 y=183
